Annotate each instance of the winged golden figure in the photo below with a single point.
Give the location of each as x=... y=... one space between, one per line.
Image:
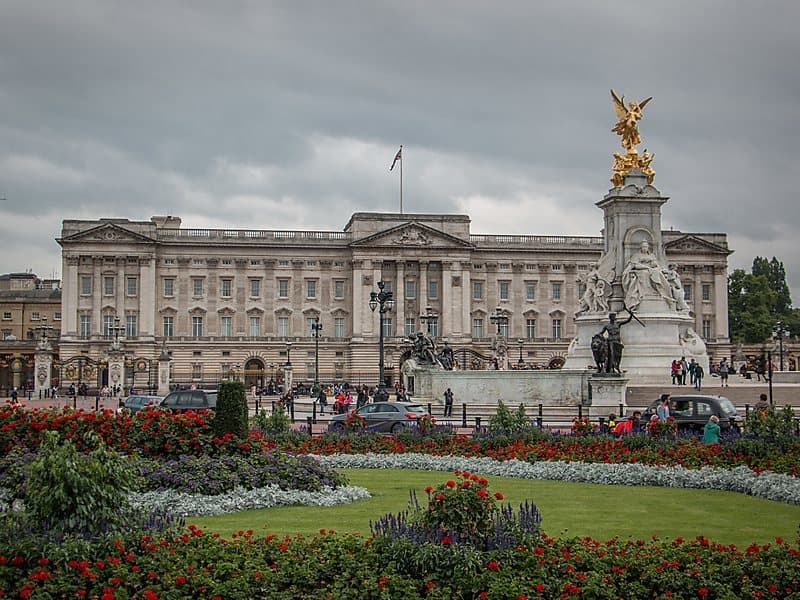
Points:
x=628 y=118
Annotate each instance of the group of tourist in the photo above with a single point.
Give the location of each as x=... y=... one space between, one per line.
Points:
x=680 y=368
x=711 y=430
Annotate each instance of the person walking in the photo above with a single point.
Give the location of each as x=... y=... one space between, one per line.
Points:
x=684 y=370
x=322 y=399
x=448 y=403
x=698 y=376
x=711 y=430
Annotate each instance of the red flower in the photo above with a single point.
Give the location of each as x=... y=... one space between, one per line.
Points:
x=180 y=579
x=540 y=588
x=498 y=495
x=492 y=565
x=450 y=483
x=446 y=540
x=440 y=497
x=702 y=592
x=150 y=595
x=428 y=489
x=482 y=493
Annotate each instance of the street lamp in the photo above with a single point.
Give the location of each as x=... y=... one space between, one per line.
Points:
x=520 y=362
x=781 y=331
x=288 y=354
x=383 y=300
x=316 y=328
x=499 y=318
x=431 y=320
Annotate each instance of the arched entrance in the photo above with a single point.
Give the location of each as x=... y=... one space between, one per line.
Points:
x=254 y=373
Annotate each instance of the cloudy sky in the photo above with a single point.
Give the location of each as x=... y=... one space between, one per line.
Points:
x=286 y=115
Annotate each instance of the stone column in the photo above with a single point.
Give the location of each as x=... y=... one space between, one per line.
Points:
x=43 y=368
x=466 y=295
x=399 y=298
x=446 y=325
x=720 y=292
x=357 y=310
x=147 y=297
x=70 y=293
x=163 y=372
x=423 y=285
x=97 y=297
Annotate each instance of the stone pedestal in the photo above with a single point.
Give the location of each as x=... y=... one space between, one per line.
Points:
x=43 y=367
x=608 y=392
x=116 y=371
x=288 y=376
x=163 y=372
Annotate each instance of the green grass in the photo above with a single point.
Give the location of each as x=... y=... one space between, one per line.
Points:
x=568 y=509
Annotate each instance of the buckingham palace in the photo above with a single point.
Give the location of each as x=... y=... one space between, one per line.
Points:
x=245 y=302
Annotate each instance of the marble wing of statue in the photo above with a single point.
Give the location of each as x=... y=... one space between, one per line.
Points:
x=619 y=106
x=606 y=268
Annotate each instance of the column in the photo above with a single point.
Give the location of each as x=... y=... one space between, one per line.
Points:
x=358 y=301
x=720 y=292
x=423 y=285
x=466 y=300
x=69 y=297
x=120 y=292
x=147 y=297
x=97 y=296
x=446 y=324
x=399 y=298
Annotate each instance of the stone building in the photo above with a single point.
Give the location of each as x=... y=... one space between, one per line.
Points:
x=241 y=302
x=27 y=304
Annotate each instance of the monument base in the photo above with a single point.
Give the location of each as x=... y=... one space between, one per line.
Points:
x=649 y=349
x=608 y=394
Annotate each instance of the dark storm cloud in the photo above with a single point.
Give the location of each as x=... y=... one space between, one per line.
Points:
x=260 y=114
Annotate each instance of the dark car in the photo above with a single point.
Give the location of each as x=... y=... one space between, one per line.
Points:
x=136 y=402
x=190 y=400
x=384 y=416
x=693 y=411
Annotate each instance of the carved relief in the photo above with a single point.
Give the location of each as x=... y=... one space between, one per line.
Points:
x=412 y=237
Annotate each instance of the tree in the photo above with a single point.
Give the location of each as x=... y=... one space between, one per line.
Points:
x=776 y=276
x=751 y=302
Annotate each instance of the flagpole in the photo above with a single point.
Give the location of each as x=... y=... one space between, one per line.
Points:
x=401 y=183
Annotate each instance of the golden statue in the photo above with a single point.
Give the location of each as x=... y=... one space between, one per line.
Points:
x=627 y=127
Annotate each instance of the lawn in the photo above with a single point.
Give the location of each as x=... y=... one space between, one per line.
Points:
x=568 y=509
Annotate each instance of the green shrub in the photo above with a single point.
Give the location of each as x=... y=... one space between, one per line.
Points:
x=277 y=422
x=504 y=421
x=773 y=425
x=77 y=493
x=231 y=413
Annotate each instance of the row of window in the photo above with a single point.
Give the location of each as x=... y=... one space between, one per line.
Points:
x=34 y=316
x=311 y=288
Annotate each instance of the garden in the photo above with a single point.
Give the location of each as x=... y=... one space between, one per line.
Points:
x=208 y=505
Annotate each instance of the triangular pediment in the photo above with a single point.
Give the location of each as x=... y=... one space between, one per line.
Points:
x=693 y=244
x=412 y=235
x=108 y=232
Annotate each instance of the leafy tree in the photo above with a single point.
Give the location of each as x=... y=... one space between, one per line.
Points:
x=751 y=301
x=776 y=276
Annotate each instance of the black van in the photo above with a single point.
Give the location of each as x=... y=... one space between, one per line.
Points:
x=190 y=400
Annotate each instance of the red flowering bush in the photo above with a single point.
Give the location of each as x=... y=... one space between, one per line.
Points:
x=426 y=423
x=659 y=428
x=354 y=422
x=583 y=426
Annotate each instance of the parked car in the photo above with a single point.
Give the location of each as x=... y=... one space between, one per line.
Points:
x=692 y=411
x=190 y=400
x=137 y=402
x=384 y=416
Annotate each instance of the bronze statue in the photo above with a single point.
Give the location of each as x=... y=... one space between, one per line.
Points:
x=614 y=346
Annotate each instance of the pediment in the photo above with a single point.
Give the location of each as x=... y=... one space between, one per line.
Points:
x=693 y=244
x=108 y=232
x=412 y=235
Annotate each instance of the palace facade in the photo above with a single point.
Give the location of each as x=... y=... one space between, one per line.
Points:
x=242 y=302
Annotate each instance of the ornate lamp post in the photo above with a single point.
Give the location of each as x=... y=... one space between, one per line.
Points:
x=287 y=369
x=431 y=320
x=781 y=331
x=316 y=328
x=499 y=318
x=384 y=301
x=288 y=354
x=520 y=362
x=116 y=356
